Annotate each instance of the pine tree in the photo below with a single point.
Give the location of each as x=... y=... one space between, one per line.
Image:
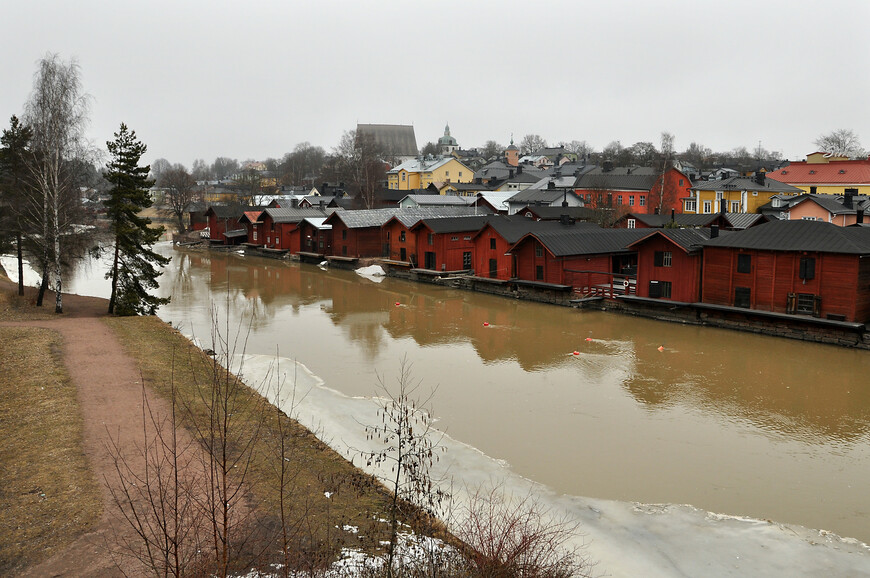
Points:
x=134 y=267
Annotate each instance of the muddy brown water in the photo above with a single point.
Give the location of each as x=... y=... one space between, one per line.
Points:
x=729 y=422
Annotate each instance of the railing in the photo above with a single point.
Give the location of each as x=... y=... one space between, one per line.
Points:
x=601 y=283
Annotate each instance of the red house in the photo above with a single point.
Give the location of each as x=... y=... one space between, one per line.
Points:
x=250 y=220
x=445 y=244
x=796 y=267
x=280 y=227
x=669 y=263
x=493 y=242
x=224 y=224
x=589 y=260
x=315 y=237
x=402 y=243
x=633 y=189
x=358 y=234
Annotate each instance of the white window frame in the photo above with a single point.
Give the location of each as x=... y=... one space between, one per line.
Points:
x=708 y=207
x=735 y=206
x=631 y=223
x=690 y=206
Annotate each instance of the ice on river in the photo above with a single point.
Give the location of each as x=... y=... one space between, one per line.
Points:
x=626 y=539
x=373 y=273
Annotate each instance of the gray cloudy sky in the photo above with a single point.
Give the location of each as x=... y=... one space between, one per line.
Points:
x=201 y=79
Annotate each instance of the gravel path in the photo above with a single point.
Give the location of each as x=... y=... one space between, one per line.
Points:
x=110 y=398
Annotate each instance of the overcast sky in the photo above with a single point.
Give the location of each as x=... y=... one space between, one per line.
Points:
x=250 y=80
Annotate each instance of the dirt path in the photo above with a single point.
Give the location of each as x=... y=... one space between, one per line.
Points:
x=110 y=397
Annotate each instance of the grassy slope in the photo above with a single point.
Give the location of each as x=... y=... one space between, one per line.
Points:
x=355 y=499
x=48 y=496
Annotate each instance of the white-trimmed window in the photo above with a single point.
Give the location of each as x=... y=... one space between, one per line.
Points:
x=689 y=206
x=708 y=207
x=631 y=200
x=735 y=206
x=642 y=200
x=630 y=223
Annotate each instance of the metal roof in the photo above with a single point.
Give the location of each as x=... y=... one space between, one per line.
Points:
x=455 y=224
x=686 y=239
x=833 y=172
x=586 y=241
x=439 y=200
x=799 y=235
x=295 y=215
x=513 y=228
x=745 y=184
x=376 y=217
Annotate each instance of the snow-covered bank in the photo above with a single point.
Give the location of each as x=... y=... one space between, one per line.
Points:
x=626 y=539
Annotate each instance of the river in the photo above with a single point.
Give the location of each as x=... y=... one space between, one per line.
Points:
x=588 y=403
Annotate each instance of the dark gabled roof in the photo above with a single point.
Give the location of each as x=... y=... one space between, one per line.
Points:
x=454 y=224
x=531 y=196
x=619 y=179
x=681 y=219
x=512 y=228
x=226 y=211
x=833 y=203
x=553 y=213
x=585 y=241
x=799 y=236
x=291 y=215
x=687 y=239
x=236 y=233
x=377 y=217
x=745 y=184
x=440 y=200
x=744 y=220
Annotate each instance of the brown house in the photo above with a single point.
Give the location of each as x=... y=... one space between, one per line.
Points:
x=795 y=267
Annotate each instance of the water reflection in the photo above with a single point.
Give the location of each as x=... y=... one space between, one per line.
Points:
x=730 y=422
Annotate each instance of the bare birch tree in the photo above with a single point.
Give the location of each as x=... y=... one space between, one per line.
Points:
x=57 y=113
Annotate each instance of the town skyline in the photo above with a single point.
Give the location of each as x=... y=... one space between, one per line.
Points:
x=194 y=84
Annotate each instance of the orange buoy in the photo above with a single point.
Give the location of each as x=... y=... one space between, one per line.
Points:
x=397 y=303
x=588 y=339
x=486 y=323
x=576 y=353
x=661 y=347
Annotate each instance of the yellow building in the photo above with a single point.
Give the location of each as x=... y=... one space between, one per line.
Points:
x=420 y=173
x=741 y=195
x=827 y=175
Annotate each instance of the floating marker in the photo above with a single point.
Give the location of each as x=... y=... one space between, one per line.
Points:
x=486 y=323
x=576 y=353
x=661 y=347
x=588 y=339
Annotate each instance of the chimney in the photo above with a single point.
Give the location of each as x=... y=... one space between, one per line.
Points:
x=565 y=220
x=672 y=215
x=607 y=166
x=760 y=178
x=859 y=218
x=510 y=173
x=848 y=197
x=714 y=231
x=520 y=169
x=551 y=185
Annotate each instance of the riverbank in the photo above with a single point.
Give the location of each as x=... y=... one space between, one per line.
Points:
x=92 y=372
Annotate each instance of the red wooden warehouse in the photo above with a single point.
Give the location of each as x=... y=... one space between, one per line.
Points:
x=669 y=264
x=797 y=267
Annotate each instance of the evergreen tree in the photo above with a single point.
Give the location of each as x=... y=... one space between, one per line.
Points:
x=13 y=190
x=133 y=270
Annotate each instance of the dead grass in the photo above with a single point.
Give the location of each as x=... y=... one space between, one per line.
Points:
x=355 y=499
x=47 y=494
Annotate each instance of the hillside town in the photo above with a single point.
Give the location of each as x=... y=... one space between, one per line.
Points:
x=768 y=246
